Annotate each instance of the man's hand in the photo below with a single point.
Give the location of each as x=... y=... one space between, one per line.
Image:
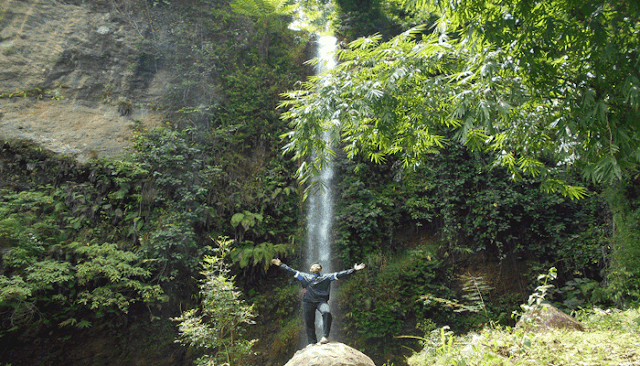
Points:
x=358 y=267
x=276 y=261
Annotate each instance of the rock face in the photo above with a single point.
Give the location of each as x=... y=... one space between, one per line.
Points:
x=75 y=74
x=330 y=354
x=548 y=317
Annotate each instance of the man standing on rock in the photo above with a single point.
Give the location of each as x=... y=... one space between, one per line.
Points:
x=316 y=288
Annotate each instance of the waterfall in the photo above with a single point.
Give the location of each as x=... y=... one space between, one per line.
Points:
x=320 y=203
x=319 y=221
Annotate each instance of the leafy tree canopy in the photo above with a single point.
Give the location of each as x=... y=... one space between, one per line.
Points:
x=549 y=86
x=262 y=9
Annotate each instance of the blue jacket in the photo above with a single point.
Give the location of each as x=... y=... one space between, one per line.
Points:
x=318 y=286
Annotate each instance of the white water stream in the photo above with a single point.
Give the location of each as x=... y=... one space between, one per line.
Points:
x=320 y=206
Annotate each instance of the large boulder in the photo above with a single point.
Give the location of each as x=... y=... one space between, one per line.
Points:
x=330 y=354
x=548 y=317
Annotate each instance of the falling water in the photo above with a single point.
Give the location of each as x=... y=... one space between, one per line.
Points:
x=320 y=209
x=320 y=203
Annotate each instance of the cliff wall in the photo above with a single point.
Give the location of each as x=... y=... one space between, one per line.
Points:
x=75 y=74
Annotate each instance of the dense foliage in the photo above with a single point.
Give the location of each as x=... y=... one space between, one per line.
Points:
x=473 y=206
x=385 y=300
x=548 y=91
x=532 y=87
x=83 y=244
x=624 y=278
x=52 y=259
x=551 y=87
x=457 y=205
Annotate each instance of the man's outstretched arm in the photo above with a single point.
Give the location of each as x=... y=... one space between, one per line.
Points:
x=279 y=263
x=347 y=272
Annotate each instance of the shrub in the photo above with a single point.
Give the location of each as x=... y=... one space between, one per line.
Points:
x=219 y=323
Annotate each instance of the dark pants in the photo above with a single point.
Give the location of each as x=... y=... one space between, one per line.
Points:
x=309 y=309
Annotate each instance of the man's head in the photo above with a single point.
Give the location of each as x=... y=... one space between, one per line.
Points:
x=316 y=268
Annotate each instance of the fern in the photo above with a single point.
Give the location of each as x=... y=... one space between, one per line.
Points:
x=246 y=219
x=258 y=255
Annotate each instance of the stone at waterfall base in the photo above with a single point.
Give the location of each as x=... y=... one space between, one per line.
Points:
x=330 y=354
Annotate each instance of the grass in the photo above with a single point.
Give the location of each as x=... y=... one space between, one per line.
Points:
x=611 y=338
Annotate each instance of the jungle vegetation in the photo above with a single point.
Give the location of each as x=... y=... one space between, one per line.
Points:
x=463 y=133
